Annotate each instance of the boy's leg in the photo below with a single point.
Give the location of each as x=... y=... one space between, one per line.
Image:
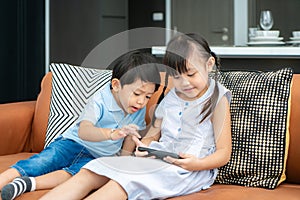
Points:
x=17 y=187
x=58 y=155
x=24 y=184
x=77 y=187
x=51 y=180
x=7 y=176
x=111 y=190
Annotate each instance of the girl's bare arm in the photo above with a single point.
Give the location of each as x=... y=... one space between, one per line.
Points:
x=222 y=128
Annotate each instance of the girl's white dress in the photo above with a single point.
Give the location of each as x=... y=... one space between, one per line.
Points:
x=147 y=178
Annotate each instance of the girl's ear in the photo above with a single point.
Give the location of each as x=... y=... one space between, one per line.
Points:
x=210 y=63
x=115 y=84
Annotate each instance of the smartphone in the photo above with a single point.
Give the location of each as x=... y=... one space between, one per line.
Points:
x=158 y=153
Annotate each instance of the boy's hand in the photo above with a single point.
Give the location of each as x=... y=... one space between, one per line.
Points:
x=138 y=143
x=130 y=129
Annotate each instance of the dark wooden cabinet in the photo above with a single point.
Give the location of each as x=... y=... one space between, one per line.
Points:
x=77 y=27
x=213 y=19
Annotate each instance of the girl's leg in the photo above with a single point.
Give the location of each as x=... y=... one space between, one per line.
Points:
x=111 y=190
x=77 y=187
x=7 y=176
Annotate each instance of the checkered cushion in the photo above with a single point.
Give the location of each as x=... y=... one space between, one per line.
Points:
x=259 y=113
x=71 y=88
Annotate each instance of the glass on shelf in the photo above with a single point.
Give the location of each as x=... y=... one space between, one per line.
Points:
x=266 y=20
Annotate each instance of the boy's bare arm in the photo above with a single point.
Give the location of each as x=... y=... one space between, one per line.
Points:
x=128 y=146
x=87 y=131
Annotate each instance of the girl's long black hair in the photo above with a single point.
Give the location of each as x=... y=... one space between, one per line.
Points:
x=178 y=51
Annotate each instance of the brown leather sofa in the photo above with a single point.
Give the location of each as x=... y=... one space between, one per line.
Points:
x=22 y=133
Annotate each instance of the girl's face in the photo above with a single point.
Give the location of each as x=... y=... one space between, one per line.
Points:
x=194 y=83
x=132 y=97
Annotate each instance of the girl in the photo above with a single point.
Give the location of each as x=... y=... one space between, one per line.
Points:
x=193 y=120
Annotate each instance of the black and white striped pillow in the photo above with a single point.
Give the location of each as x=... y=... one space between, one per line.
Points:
x=71 y=88
x=259 y=115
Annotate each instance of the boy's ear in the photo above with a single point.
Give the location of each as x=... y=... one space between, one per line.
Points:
x=210 y=63
x=115 y=84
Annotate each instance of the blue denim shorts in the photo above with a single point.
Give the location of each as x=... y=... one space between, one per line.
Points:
x=61 y=154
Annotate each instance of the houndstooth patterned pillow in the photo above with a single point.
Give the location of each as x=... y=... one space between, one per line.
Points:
x=259 y=114
x=71 y=88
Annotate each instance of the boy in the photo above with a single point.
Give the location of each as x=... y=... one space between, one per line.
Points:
x=110 y=115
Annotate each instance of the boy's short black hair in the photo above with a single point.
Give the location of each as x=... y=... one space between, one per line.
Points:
x=135 y=65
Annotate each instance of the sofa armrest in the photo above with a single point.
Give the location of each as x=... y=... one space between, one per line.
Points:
x=15 y=126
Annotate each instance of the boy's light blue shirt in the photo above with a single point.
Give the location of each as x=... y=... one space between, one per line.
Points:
x=103 y=111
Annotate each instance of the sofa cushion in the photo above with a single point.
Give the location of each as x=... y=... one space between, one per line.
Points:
x=259 y=114
x=41 y=115
x=71 y=88
x=293 y=162
x=15 y=126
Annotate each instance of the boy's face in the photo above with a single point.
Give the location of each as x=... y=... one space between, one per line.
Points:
x=132 y=97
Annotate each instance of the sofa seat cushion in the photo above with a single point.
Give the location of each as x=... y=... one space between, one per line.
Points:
x=220 y=191
x=236 y=192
